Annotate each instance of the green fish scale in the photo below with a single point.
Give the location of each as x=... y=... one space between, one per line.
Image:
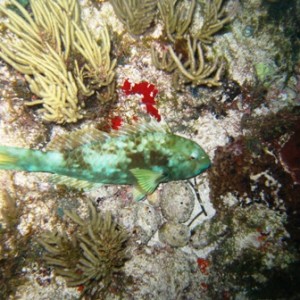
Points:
x=111 y=161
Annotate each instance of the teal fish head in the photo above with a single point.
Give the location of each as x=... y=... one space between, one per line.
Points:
x=189 y=159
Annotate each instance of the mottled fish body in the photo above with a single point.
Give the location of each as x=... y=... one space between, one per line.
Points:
x=144 y=156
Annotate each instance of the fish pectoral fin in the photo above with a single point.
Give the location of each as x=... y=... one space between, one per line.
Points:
x=78 y=184
x=147 y=180
x=138 y=193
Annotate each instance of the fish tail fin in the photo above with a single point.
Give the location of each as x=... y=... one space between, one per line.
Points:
x=19 y=159
x=31 y=160
x=8 y=158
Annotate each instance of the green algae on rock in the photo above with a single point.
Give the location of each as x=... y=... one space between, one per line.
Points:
x=93 y=256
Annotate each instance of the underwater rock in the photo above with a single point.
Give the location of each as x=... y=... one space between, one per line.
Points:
x=160 y=274
x=199 y=237
x=154 y=199
x=253 y=171
x=253 y=255
x=207 y=233
x=290 y=155
x=148 y=220
x=176 y=235
x=177 y=202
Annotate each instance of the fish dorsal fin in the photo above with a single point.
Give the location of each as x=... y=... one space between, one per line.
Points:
x=147 y=180
x=142 y=126
x=154 y=126
x=78 y=184
x=69 y=141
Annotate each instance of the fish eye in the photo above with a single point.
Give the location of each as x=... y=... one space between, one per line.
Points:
x=193 y=155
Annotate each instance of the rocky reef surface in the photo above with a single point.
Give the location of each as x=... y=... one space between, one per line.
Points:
x=226 y=75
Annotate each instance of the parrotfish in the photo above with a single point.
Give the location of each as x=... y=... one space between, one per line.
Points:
x=144 y=156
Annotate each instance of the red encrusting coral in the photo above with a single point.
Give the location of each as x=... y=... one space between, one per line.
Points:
x=116 y=122
x=204 y=286
x=148 y=90
x=126 y=87
x=80 y=288
x=203 y=265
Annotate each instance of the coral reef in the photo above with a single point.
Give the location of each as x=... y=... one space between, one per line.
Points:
x=289 y=155
x=136 y=15
x=177 y=17
x=92 y=257
x=252 y=255
x=62 y=62
x=147 y=221
x=185 y=57
x=181 y=49
x=189 y=66
x=233 y=233
x=195 y=70
x=177 y=202
x=148 y=91
x=215 y=18
x=13 y=245
x=253 y=168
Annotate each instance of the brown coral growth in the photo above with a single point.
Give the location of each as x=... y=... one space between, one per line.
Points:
x=92 y=257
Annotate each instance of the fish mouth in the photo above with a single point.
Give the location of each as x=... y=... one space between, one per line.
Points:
x=206 y=164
